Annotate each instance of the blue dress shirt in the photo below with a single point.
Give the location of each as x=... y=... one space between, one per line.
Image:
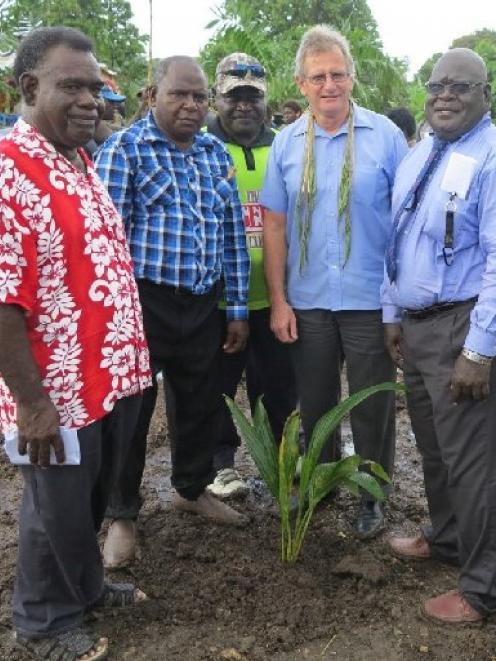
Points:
x=181 y=210
x=325 y=282
x=423 y=277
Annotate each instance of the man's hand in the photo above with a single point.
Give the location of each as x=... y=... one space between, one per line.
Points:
x=38 y=423
x=392 y=338
x=283 y=323
x=470 y=380
x=236 y=337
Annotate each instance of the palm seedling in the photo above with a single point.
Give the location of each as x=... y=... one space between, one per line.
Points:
x=277 y=467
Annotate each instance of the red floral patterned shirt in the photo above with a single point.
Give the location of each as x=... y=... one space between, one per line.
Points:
x=64 y=259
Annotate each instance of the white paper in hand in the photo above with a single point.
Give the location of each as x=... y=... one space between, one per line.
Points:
x=71 y=449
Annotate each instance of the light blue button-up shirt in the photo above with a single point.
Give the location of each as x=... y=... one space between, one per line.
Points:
x=423 y=277
x=326 y=282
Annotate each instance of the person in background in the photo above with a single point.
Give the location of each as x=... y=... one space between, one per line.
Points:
x=327 y=195
x=291 y=111
x=110 y=120
x=176 y=191
x=72 y=347
x=143 y=96
x=404 y=119
x=241 y=98
x=440 y=311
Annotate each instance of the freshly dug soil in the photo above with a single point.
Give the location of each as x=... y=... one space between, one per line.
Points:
x=222 y=594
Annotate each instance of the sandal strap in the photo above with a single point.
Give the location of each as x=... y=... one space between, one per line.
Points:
x=66 y=646
x=117 y=595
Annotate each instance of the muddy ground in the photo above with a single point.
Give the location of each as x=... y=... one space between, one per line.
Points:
x=222 y=594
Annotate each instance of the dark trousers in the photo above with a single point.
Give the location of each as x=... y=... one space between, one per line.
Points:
x=457 y=444
x=324 y=339
x=59 y=567
x=184 y=337
x=269 y=372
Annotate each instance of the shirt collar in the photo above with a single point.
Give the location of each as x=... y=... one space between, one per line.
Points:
x=152 y=133
x=480 y=126
x=264 y=139
x=360 y=120
x=28 y=136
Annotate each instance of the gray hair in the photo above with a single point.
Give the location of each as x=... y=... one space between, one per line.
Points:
x=321 y=39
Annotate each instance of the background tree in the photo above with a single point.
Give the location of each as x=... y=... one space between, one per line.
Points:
x=108 y=22
x=484 y=43
x=270 y=30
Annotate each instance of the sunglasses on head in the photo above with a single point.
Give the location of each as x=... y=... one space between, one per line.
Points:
x=242 y=70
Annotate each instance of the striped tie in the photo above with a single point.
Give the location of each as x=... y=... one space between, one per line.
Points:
x=414 y=196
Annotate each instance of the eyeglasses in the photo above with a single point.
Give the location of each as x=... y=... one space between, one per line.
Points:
x=456 y=89
x=242 y=70
x=336 y=76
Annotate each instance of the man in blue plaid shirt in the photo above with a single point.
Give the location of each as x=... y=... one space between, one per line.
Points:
x=176 y=192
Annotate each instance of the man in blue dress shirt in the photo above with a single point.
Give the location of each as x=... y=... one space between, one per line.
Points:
x=176 y=192
x=440 y=309
x=327 y=195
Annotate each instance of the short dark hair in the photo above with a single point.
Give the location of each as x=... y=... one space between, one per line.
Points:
x=162 y=67
x=294 y=105
x=36 y=44
x=404 y=120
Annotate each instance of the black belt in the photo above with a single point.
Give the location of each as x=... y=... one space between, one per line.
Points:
x=423 y=313
x=179 y=291
x=215 y=289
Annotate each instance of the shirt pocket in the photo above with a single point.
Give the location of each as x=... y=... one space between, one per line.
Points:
x=369 y=184
x=465 y=225
x=222 y=192
x=154 y=188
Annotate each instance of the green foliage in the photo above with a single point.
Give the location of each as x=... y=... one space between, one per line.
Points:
x=416 y=100
x=271 y=30
x=108 y=22
x=484 y=43
x=316 y=479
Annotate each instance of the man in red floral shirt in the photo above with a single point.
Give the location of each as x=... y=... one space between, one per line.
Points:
x=72 y=348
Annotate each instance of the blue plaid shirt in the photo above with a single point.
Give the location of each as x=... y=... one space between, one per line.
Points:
x=181 y=210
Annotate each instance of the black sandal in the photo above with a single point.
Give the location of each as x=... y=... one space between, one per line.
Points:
x=67 y=646
x=119 y=595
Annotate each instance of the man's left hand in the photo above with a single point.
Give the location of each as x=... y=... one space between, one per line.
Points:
x=237 y=335
x=469 y=380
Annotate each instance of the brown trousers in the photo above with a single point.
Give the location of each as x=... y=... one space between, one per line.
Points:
x=458 y=447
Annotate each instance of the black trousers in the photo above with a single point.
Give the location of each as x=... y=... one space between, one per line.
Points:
x=269 y=372
x=324 y=338
x=184 y=336
x=457 y=444
x=59 y=566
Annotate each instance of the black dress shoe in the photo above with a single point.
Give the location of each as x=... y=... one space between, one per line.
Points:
x=370 y=521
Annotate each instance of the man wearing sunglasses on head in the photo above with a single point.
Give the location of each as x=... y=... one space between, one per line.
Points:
x=440 y=313
x=327 y=195
x=240 y=90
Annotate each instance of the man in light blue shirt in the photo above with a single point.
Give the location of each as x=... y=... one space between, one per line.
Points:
x=324 y=260
x=440 y=311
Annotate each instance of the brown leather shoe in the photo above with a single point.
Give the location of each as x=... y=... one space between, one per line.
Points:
x=451 y=608
x=410 y=548
x=120 y=544
x=209 y=507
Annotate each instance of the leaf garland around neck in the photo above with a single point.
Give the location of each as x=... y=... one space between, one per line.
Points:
x=306 y=196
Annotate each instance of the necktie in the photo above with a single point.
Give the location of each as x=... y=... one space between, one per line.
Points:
x=414 y=195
